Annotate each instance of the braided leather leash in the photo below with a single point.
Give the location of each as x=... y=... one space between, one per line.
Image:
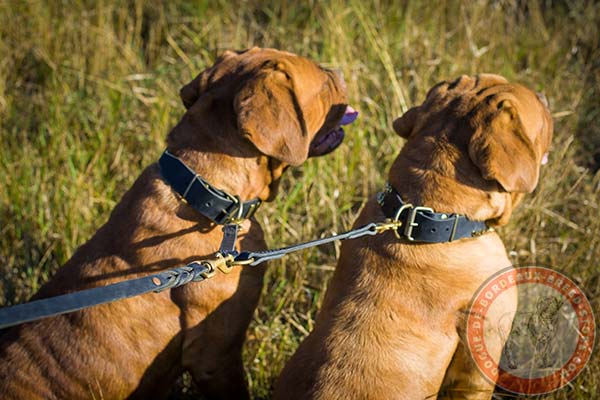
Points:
x=226 y=259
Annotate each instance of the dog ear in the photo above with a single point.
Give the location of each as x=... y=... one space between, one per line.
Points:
x=404 y=125
x=269 y=115
x=191 y=92
x=502 y=150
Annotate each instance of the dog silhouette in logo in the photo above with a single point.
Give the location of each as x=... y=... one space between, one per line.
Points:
x=533 y=330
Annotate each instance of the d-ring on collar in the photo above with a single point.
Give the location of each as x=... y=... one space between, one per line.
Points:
x=209 y=201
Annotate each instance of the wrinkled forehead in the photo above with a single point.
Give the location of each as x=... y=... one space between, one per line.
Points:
x=253 y=61
x=479 y=98
x=256 y=59
x=296 y=67
x=488 y=91
x=465 y=86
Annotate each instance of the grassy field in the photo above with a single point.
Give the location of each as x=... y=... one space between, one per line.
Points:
x=89 y=90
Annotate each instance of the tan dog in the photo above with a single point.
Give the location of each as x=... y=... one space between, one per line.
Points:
x=392 y=321
x=249 y=116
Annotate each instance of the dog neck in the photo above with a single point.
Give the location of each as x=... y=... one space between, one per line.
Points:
x=442 y=177
x=222 y=157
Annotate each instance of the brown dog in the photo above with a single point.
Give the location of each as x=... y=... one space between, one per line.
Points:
x=392 y=321
x=249 y=116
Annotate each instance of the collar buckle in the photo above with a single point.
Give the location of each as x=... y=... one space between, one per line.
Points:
x=434 y=227
x=396 y=218
x=410 y=223
x=235 y=213
x=215 y=204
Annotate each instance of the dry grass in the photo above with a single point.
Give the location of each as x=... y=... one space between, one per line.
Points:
x=88 y=92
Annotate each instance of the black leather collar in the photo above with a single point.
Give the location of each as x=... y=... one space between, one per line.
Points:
x=422 y=224
x=209 y=201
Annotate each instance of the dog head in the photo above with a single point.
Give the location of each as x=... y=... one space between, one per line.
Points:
x=485 y=126
x=287 y=106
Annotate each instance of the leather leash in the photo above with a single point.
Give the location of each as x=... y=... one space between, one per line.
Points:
x=226 y=259
x=66 y=303
x=257 y=257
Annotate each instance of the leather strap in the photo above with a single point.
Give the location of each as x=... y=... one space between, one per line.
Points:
x=422 y=224
x=66 y=303
x=209 y=201
x=195 y=271
x=253 y=258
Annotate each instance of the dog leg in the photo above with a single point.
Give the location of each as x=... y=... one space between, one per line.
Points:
x=212 y=354
x=226 y=381
x=463 y=379
x=212 y=349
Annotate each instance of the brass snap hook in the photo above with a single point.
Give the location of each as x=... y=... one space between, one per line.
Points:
x=222 y=263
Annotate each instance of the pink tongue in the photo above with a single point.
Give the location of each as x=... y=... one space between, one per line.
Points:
x=350 y=116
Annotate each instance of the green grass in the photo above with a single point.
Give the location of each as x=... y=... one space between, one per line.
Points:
x=88 y=92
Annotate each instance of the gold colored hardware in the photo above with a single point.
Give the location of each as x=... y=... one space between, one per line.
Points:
x=242 y=262
x=454 y=226
x=221 y=263
x=211 y=269
x=411 y=221
x=252 y=210
x=225 y=264
x=238 y=219
x=388 y=225
x=397 y=218
x=483 y=232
